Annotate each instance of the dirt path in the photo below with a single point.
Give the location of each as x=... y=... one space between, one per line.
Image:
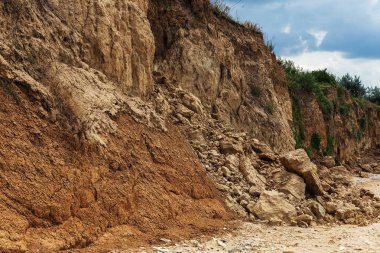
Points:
x=261 y=238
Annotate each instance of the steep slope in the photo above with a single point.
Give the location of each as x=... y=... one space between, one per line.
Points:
x=226 y=65
x=74 y=161
x=258 y=183
x=347 y=126
x=58 y=193
x=97 y=154
x=102 y=50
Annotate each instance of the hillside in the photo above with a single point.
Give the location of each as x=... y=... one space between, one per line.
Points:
x=324 y=112
x=125 y=122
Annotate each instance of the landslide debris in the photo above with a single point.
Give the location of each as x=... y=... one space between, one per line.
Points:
x=259 y=183
x=82 y=155
x=99 y=152
x=227 y=66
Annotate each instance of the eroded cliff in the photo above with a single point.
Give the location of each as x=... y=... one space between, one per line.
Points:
x=226 y=65
x=346 y=127
x=64 y=49
x=96 y=152
x=80 y=158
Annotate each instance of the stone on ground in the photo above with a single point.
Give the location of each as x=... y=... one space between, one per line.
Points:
x=295 y=186
x=298 y=162
x=273 y=205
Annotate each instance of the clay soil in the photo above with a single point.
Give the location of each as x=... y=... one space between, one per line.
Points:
x=58 y=194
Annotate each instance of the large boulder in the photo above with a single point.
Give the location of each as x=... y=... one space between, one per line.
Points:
x=295 y=186
x=298 y=162
x=272 y=205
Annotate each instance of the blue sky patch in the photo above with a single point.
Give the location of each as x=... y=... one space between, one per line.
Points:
x=341 y=35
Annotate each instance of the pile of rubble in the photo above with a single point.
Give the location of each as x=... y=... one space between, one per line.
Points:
x=368 y=163
x=258 y=183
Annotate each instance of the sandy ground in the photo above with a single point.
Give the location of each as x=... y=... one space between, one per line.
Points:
x=262 y=238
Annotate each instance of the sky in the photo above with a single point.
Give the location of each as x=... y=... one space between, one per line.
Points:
x=340 y=35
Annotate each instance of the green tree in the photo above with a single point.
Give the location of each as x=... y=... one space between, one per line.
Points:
x=373 y=95
x=353 y=85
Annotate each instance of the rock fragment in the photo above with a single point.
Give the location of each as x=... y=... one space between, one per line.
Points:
x=328 y=161
x=317 y=209
x=295 y=186
x=272 y=205
x=227 y=147
x=331 y=207
x=298 y=162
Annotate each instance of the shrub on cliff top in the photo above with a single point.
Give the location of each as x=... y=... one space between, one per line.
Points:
x=298 y=79
x=251 y=26
x=269 y=44
x=323 y=76
x=221 y=9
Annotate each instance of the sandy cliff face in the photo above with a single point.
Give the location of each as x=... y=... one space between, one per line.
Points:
x=352 y=128
x=73 y=46
x=112 y=37
x=76 y=166
x=57 y=195
x=68 y=47
x=92 y=151
x=227 y=66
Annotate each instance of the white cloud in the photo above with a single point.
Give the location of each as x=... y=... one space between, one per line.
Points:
x=304 y=46
x=319 y=36
x=286 y=29
x=301 y=46
x=338 y=64
x=373 y=11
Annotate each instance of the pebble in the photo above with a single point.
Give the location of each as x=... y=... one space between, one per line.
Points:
x=165 y=240
x=160 y=249
x=221 y=244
